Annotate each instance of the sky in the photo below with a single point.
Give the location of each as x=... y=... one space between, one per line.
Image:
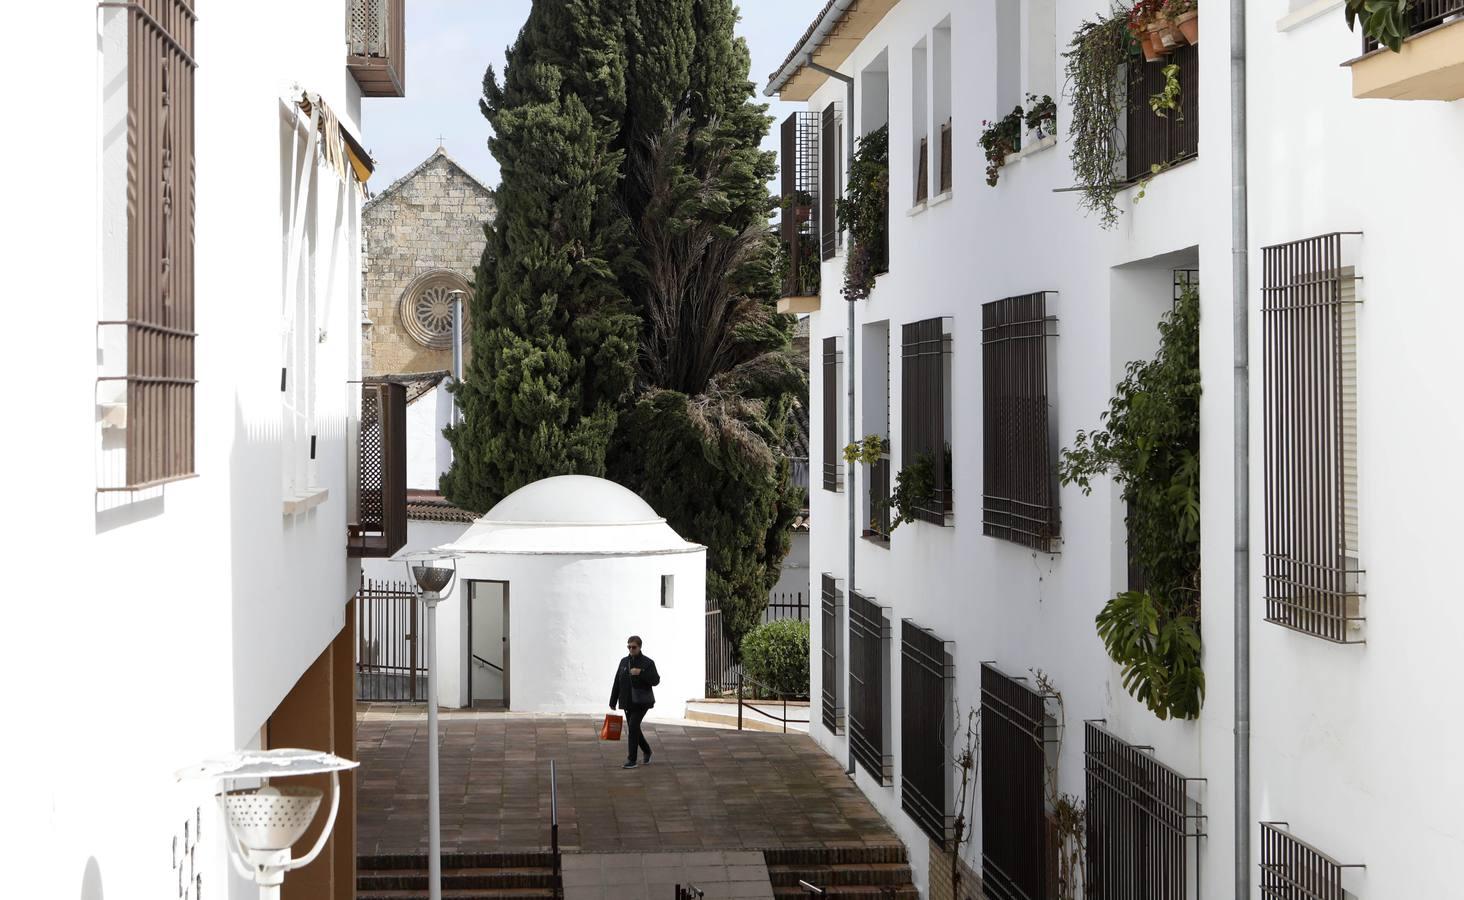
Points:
x=450 y=43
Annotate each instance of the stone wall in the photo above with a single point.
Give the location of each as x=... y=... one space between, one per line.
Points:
x=430 y=221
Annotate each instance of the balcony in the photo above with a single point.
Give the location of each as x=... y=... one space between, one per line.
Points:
x=376 y=36
x=799 y=219
x=379 y=528
x=1153 y=140
x=1431 y=64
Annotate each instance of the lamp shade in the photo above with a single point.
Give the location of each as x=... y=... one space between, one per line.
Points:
x=270 y=818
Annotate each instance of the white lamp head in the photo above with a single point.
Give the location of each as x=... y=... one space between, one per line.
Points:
x=432 y=570
x=270 y=818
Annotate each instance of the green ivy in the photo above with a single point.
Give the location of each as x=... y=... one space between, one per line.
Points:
x=1150 y=444
x=1091 y=64
x=775 y=656
x=865 y=212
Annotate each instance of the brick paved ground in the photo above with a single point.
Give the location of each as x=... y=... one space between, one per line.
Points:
x=708 y=788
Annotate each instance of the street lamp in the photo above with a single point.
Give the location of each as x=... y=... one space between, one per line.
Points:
x=264 y=822
x=432 y=571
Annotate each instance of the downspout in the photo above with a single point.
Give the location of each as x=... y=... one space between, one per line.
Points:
x=1239 y=274
x=849 y=357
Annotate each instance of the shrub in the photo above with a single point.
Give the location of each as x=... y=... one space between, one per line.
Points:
x=775 y=654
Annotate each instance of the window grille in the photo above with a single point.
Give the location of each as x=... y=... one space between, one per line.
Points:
x=1019 y=424
x=1295 y=870
x=1140 y=821
x=800 y=213
x=833 y=369
x=945 y=157
x=1018 y=855
x=922 y=172
x=1152 y=140
x=869 y=666
x=830 y=151
x=927 y=680
x=159 y=324
x=925 y=406
x=1309 y=311
x=833 y=688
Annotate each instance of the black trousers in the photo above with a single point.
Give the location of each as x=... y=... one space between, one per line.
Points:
x=634 y=713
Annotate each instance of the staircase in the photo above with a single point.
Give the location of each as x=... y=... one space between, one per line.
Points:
x=866 y=872
x=465 y=876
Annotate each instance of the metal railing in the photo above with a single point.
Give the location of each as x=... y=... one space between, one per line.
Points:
x=799 y=218
x=1292 y=869
x=878 y=497
x=554 y=833
x=380 y=529
x=1150 y=139
x=869 y=711
x=925 y=356
x=723 y=669
x=781 y=696
x=833 y=367
x=927 y=685
x=831 y=694
x=1421 y=16
x=1018 y=856
x=389 y=660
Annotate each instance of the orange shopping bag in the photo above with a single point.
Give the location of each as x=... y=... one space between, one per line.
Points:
x=610 y=731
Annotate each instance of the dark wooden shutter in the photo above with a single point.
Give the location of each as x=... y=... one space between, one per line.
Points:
x=829 y=191
x=927 y=685
x=923 y=350
x=160 y=200
x=869 y=711
x=831 y=414
x=1017 y=855
x=1019 y=453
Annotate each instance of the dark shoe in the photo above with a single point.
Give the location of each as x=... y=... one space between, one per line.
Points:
x=647 y=760
x=629 y=765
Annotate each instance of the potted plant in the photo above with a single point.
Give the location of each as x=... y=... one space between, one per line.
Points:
x=1141 y=18
x=1042 y=116
x=1001 y=139
x=1185 y=16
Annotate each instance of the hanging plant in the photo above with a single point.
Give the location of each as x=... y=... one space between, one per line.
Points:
x=1000 y=139
x=1150 y=444
x=1041 y=115
x=1092 y=65
x=864 y=211
x=1385 y=21
x=868 y=450
x=1167 y=99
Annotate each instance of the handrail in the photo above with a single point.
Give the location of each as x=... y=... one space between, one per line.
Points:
x=754 y=707
x=487 y=663
x=554 y=833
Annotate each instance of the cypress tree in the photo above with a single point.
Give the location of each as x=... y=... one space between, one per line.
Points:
x=553 y=335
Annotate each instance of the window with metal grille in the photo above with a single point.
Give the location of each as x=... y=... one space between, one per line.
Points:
x=1151 y=140
x=799 y=226
x=151 y=397
x=1018 y=856
x=1309 y=336
x=927 y=683
x=1140 y=821
x=869 y=667
x=874 y=389
x=925 y=412
x=833 y=372
x=832 y=690
x=1295 y=870
x=831 y=149
x=1019 y=421
x=945 y=157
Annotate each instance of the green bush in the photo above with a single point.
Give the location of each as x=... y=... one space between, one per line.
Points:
x=775 y=655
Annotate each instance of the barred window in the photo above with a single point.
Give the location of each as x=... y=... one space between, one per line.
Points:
x=1019 y=421
x=925 y=412
x=799 y=214
x=146 y=382
x=1018 y=854
x=927 y=680
x=1292 y=869
x=831 y=148
x=832 y=692
x=1309 y=310
x=1140 y=821
x=833 y=373
x=869 y=667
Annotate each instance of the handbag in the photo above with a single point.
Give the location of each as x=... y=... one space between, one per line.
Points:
x=610 y=731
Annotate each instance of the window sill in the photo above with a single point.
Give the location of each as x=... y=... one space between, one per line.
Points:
x=940 y=198
x=1302 y=15
x=113 y=415
x=1032 y=149
x=305 y=501
x=918 y=208
x=877 y=539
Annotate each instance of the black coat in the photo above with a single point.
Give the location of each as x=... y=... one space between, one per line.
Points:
x=635 y=689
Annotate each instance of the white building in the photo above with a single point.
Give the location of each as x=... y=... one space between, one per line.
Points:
x=193 y=455
x=550 y=583
x=1011 y=572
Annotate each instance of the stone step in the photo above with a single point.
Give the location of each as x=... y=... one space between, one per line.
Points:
x=461 y=894
x=836 y=856
x=485 y=860
x=490 y=877
x=845 y=875
x=859 y=891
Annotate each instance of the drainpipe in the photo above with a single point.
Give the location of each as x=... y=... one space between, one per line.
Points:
x=849 y=357
x=457 y=348
x=1239 y=274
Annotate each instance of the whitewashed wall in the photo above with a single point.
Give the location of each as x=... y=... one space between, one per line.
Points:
x=196 y=606
x=568 y=621
x=429 y=454
x=996 y=600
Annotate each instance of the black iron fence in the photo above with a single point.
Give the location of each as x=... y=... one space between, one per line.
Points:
x=925 y=353
x=724 y=671
x=927 y=679
x=878 y=498
x=390 y=663
x=1139 y=821
x=832 y=689
x=1018 y=855
x=869 y=666
x=1154 y=140
x=1292 y=869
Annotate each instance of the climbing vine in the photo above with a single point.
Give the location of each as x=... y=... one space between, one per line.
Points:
x=1091 y=63
x=1149 y=443
x=864 y=211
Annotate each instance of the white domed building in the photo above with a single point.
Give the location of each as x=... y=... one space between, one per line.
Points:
x=550 y=583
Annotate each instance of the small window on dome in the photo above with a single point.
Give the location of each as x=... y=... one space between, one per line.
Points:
x=668 y=591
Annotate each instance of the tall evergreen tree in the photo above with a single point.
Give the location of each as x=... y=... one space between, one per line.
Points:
x=716 y=378
x=553 y=335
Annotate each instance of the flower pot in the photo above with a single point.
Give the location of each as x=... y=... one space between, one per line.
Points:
x=1189 y=26
x=1160 y=38
x=1153 y=50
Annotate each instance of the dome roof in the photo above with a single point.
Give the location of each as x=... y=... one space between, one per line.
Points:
x=572 y=514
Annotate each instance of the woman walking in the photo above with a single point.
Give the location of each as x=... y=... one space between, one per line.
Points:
x=634 y=679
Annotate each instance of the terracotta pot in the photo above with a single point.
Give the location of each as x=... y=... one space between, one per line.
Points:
x=1189 y=26
x=1160 y=37
x=1152 y=51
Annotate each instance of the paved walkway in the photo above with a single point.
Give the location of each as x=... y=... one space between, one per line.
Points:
x=707 y=789
x=716 y=873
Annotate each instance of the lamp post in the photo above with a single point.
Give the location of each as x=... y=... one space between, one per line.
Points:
x=433 y=572
x=264 y=822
